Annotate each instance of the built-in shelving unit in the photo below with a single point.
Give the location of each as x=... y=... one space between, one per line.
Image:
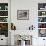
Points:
x=42 y=19
x=4 y=19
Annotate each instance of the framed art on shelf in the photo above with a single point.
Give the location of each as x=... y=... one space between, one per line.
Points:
x=22 y=14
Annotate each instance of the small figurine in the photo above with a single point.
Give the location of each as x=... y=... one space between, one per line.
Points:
x=31 y=27
x=13 y=27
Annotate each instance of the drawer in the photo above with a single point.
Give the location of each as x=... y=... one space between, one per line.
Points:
x=3 y=41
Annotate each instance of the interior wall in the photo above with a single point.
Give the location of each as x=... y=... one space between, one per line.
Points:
x=32 y=6
x=24 y=5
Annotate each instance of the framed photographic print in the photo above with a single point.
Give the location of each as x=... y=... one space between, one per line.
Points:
x=23 y=14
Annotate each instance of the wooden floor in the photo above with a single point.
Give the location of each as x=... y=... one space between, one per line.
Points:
x=3 y=45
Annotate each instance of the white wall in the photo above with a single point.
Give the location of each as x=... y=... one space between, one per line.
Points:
x=32 y=6
x=24 y=5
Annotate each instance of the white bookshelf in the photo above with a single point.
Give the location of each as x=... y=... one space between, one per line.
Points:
x=4 y=18
x=3 y=22
x=42 y=18
x=42 y=10
x=41 y=22
x=41 y=28
x=3 y=10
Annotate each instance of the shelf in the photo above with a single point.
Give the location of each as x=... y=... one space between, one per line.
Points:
x=42 y=16
x=41 y=28
x=41 y=10
x=3 y=22
x=41 y=22
x=3 y=16
x=3 y=10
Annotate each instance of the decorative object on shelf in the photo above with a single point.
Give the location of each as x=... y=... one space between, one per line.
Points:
x=0 y=7
x=41 y=19
x=40 y=25
x=45 y=7
x=24 y=37
x=3 y=13
x=42 y=32
x=13 y=27
x=4 y=29
x=3 y=19
x=41 y=6
x=6 y=7
x=31 y=27
x=23 y=14
x=43 y=13
x=4 y=26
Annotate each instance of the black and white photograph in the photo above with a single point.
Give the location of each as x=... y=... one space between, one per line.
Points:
x=23 y=14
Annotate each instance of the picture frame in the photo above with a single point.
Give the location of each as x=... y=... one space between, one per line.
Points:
x=22 y=14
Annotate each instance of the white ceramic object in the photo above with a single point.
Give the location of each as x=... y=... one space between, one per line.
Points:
x=6 y=7
x=22 y=43
x=43 y=12
x=0 y=7
x=45 y=6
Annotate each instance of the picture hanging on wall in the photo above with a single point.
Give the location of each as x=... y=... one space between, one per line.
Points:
x=22 y=14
